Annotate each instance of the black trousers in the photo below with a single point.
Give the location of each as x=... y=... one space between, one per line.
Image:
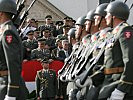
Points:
x=3 y=89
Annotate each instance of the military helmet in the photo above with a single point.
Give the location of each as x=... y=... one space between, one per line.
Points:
x=118 y=9
x=90 y=15
x=8 y=6
x=71 y=32
x=80 y=20
x=100 y=10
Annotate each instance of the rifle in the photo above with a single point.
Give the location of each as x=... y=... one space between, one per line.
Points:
x=87 y=60
x=125 y=1
x=82 y=81
x=84 y=59
x=25 y=14
x=67 y=62
x=17 y=2
x=21 y=34
x=131 y=6
x=73 y=62
x=19 y=9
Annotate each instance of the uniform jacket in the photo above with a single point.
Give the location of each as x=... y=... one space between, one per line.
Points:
x=40 y=54
x=118 y=53
x=46 y=84
x=11 y=55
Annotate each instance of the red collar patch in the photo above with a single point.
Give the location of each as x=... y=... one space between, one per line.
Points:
x=9 y=38
x=128 y=35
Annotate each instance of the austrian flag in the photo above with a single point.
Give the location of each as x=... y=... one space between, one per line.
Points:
x=9 y=38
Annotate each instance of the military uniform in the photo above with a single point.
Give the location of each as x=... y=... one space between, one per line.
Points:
x=29 y=44
x=58 y=54
x=49 y=40
x=40 y=54
x=46 y=84
x=118 y=56
x=62 y=37
x=11 y=82
x=50 y=26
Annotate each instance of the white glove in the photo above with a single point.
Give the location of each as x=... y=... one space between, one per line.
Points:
x=61 y=78
x=87 y=82
x=117 y=95
x=9 y=98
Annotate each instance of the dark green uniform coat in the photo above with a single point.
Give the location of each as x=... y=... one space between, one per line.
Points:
x=46 y=84
x=119 y=53
x=11 y=60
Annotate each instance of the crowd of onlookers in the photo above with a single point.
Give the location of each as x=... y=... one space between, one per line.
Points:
x=49 y=40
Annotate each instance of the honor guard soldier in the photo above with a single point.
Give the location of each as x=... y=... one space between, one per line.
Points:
x=46 y=82
x=118 y=82
x=12 y=86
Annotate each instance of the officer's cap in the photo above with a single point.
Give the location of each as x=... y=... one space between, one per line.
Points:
x=66 y=26
x=67 y=18
x=46 y=29
x=45 y=60
x=31 y=32
x=59 y=23
x=48 y=17
x=58 y=39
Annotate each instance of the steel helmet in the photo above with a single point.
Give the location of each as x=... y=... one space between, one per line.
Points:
x=80 y=20
x=118 y=9
x=90 y=15
x=71 y=32
x=100 y=10
x=8 y=6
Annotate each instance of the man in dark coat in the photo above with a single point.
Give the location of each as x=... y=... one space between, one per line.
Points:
x=12 y=86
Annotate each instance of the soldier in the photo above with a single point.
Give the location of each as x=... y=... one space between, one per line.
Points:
x=57 y=53
x=79 y=34
x=48 y=24
x=63 y=36
x=46 y=82
x=48 y=39
x=29 y=45
x=12 y=86
x=68 y=21
x=59 y=28
x=41 y=52
x=29 y=27
x=118 y=80
x=71 y=37
x=37 y=34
